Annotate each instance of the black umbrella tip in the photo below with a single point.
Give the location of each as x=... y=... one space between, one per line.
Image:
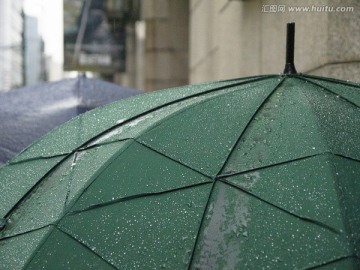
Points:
x=290 y=47
x=290 y=69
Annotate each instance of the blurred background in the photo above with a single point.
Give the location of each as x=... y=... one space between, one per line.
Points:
x=155 y=44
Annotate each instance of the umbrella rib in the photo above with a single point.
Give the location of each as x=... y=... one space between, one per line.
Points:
x=49 y=172
x=39 y=247
x=330 y=91
x=88 y=248
x=271 y=165
x=332 y=261
x=353 y=84
x=69 y=153
x=346 y=157
x=284 y=162
x=318 y=223
x=89 y=184
x=136 y=196
x=252 y=77
x=23 y=233
x=38 y=158
x=103 y=143
x=248 y=124
x=68 y=188
x=177 y=161
x=201 y=225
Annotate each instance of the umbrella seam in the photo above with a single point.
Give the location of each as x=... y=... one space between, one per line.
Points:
x=49 y=172
x=249 y=77
x=38 y=158
x=330 y=91
x=332 y=261
x=285 y=162
x=70 y=178
x=41 y=244
x=69 y=153
x=340 y=202
x=26 y=232
x=98 y=172
x=201 y=225
x=248 y=124
x=271 y=165
x=96 y=175
x=318 y=223
x=103 y=143
x=347 y=83
x=346 y=157
x=172 y=159
x=134 y=197
x=84 y=245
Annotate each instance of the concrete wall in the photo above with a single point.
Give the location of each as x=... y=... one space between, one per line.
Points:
x=343 y=44
x=166 y=43
x=234 y=38
x=218 y=49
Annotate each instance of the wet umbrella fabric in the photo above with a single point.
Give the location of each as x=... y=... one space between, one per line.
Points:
x=28 y=113
x=240 y=174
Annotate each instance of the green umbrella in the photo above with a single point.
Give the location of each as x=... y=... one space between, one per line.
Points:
x=251 y=173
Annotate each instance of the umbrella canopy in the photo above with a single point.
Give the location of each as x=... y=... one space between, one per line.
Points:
x=28 y=113
x=252 y=173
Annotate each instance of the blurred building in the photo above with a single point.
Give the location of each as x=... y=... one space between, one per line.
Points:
x=96 y=36
x=11 y=44
x=166 y=53
x=34 y=58
x=43 y=41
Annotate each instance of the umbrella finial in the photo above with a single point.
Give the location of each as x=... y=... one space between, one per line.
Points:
x=290 y=42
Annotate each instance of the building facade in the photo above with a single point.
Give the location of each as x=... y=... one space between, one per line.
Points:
x=11 y=44
x=166 y=54
x=34 y=58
